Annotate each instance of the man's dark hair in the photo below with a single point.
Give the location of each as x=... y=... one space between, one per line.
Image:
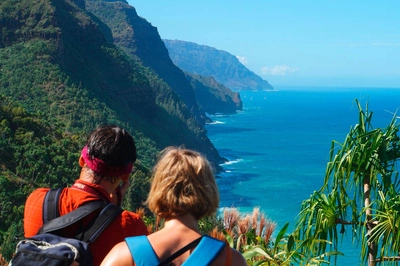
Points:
x=112 y=144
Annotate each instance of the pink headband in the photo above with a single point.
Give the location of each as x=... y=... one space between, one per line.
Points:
x=102 y=168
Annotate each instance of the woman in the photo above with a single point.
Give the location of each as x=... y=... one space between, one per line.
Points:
x=183 y=191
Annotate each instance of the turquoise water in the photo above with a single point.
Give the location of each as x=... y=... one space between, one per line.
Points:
x=278 y=146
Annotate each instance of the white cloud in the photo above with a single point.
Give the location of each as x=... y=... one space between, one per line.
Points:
x=242 y=59
x=282 y=70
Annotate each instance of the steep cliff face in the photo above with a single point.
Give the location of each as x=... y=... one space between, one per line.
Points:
x=142 y=42
x=60 y=77
x=214 y=97
x=57 y=60
x=208 y=61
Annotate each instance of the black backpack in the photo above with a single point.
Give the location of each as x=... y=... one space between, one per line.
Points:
x=49 y=248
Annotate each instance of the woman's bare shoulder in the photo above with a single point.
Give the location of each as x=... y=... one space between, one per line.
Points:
x=118 y=256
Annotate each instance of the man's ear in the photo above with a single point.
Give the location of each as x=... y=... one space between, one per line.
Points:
x=81 y=161
x=125 y=178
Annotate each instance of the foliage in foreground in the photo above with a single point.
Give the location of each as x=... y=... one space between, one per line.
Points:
x=253 y=235
x=361 y=190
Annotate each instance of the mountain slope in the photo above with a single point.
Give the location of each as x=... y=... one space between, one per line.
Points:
x=72 y=55
x=214 y=97
x=60 y=77
x=208 y=61
x=141 y=41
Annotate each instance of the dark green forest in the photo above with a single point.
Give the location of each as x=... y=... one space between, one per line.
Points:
x=61 y=75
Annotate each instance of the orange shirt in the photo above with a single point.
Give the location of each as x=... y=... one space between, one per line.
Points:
x=124 y=225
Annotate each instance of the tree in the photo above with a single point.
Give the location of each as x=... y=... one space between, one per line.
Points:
x=361 y=190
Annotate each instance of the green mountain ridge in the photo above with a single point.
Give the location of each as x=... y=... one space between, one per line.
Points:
x=213 y=96
x=61 y=75
x=209 y=61
x=141 y=41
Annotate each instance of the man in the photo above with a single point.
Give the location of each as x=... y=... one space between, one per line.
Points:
x=106 y=161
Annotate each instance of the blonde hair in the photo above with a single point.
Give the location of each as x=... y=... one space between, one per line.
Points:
x=183 y=183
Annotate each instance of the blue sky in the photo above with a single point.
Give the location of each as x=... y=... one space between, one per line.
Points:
x=292 y=43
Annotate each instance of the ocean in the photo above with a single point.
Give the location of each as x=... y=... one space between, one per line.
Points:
x=278 y=147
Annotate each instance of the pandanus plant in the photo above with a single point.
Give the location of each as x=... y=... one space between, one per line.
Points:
x=361 y=190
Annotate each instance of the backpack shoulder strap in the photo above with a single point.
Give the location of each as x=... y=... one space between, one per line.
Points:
x=142 y=251
x=106 y=216
x=53 y=222
x=70 y=218
x=206 y=251
x=50 y=204
x=192 y=244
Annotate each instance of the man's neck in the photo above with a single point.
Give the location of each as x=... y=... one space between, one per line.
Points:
x=88 y=176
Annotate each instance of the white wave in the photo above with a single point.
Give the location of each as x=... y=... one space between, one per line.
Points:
x=232 y=162
x=216 y=123
x=212 y=116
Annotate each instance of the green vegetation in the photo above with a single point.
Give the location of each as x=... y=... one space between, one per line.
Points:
x=361 y=190
x=33 y=153
x=61 y=75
